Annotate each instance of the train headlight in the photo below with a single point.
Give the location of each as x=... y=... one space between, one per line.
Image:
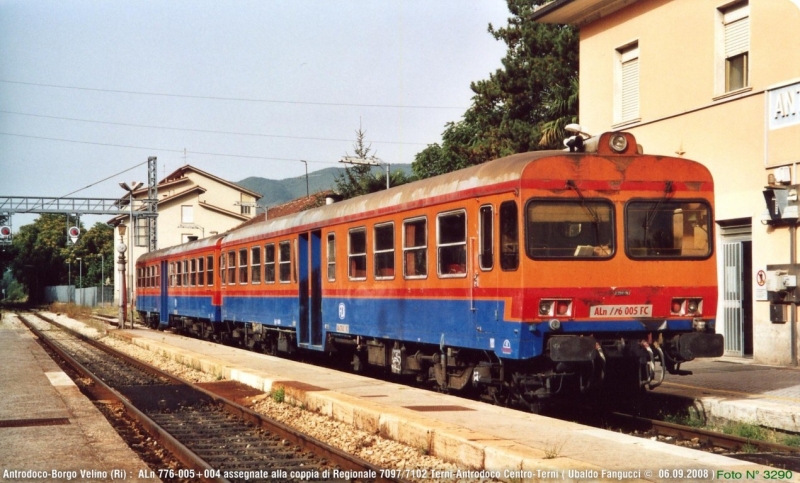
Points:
x=554 y=324
x=618 y=142
x=694 y=306
x=555 y=307
x=686 y=306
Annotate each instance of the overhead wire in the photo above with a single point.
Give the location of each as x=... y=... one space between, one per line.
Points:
x=237 y=99
x=167 y=150
x=205 y=131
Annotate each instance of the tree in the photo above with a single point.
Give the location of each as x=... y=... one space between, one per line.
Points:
x=360 y=179
x=523 y=106
x=355 y=180
x=43 y=257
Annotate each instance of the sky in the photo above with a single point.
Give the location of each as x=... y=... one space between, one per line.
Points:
x=90 y=89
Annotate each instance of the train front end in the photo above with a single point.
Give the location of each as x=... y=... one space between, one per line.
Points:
x=619 y=273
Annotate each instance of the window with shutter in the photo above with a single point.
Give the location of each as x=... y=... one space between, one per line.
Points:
x=736 y=26
x=627 y=95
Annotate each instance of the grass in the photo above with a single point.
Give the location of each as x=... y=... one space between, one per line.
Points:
x=747 y=430
x=691 y=419
x=279 y=395
x=71 y=310
x=78 y=312
x=735 y=428
x=554 y=451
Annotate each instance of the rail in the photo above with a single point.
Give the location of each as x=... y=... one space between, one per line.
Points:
x=132 y=396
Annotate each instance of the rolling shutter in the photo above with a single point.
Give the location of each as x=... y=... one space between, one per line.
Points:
x=630 y=83
x=737 y=30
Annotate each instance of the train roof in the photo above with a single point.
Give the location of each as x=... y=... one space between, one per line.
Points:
x=183 y=248
x=503 y=170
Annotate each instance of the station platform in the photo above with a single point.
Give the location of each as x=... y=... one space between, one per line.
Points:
x=735 y=389
x=518 y=446
x=49 y=431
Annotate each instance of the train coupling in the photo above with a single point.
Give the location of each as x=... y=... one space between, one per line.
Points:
x=570 y=348
x=699 y=344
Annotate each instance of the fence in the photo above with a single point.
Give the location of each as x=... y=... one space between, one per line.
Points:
x=89 y=296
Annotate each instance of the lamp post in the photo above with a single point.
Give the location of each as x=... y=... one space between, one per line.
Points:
x=135 y=185
x=102 y=280
x=371 y=161
x=123 y=292
x=80 y=277
x=306 y=163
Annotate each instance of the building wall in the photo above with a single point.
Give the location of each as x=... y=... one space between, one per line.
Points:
x=684 y=111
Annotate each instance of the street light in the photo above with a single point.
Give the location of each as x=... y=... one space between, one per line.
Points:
x=306 y=163
x=371 y=161
x=130 y=189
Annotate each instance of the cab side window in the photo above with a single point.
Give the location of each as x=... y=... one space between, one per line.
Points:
x=509 y=236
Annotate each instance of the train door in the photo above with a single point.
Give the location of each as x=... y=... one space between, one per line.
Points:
x=736 y=297
x=310 y=288
x=163 y=305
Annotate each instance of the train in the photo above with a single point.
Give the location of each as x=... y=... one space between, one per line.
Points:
x=519 y=279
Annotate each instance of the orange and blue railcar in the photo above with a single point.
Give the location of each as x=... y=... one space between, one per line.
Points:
x=519 y=278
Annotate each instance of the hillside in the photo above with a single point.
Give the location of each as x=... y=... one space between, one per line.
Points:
x=276 y=192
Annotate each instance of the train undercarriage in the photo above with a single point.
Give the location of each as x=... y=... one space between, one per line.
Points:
x=571 y=364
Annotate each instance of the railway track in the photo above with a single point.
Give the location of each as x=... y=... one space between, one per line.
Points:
x=757 y=451
x=771 y=454
x=215 y=439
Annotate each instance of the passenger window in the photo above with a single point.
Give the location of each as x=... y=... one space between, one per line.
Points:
x=255 y=265
x=331 y=257
x=192 y=272
x=285 y=261
x=222 y=277
x=415 y=248
x=201 y=279
x=231 y=268
x=243 y=266
x=451 y=243
x=358 y=254
x=486 y=237
x=171 y=273
x=509 y=236
x=269 y=263
x=384 y=251
x=210 y=269
x=185 y=273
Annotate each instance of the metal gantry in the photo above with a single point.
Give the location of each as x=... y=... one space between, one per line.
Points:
x=146 y=209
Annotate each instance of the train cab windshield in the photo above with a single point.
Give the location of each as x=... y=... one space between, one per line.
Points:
x=667 y=229
x=569 y=229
